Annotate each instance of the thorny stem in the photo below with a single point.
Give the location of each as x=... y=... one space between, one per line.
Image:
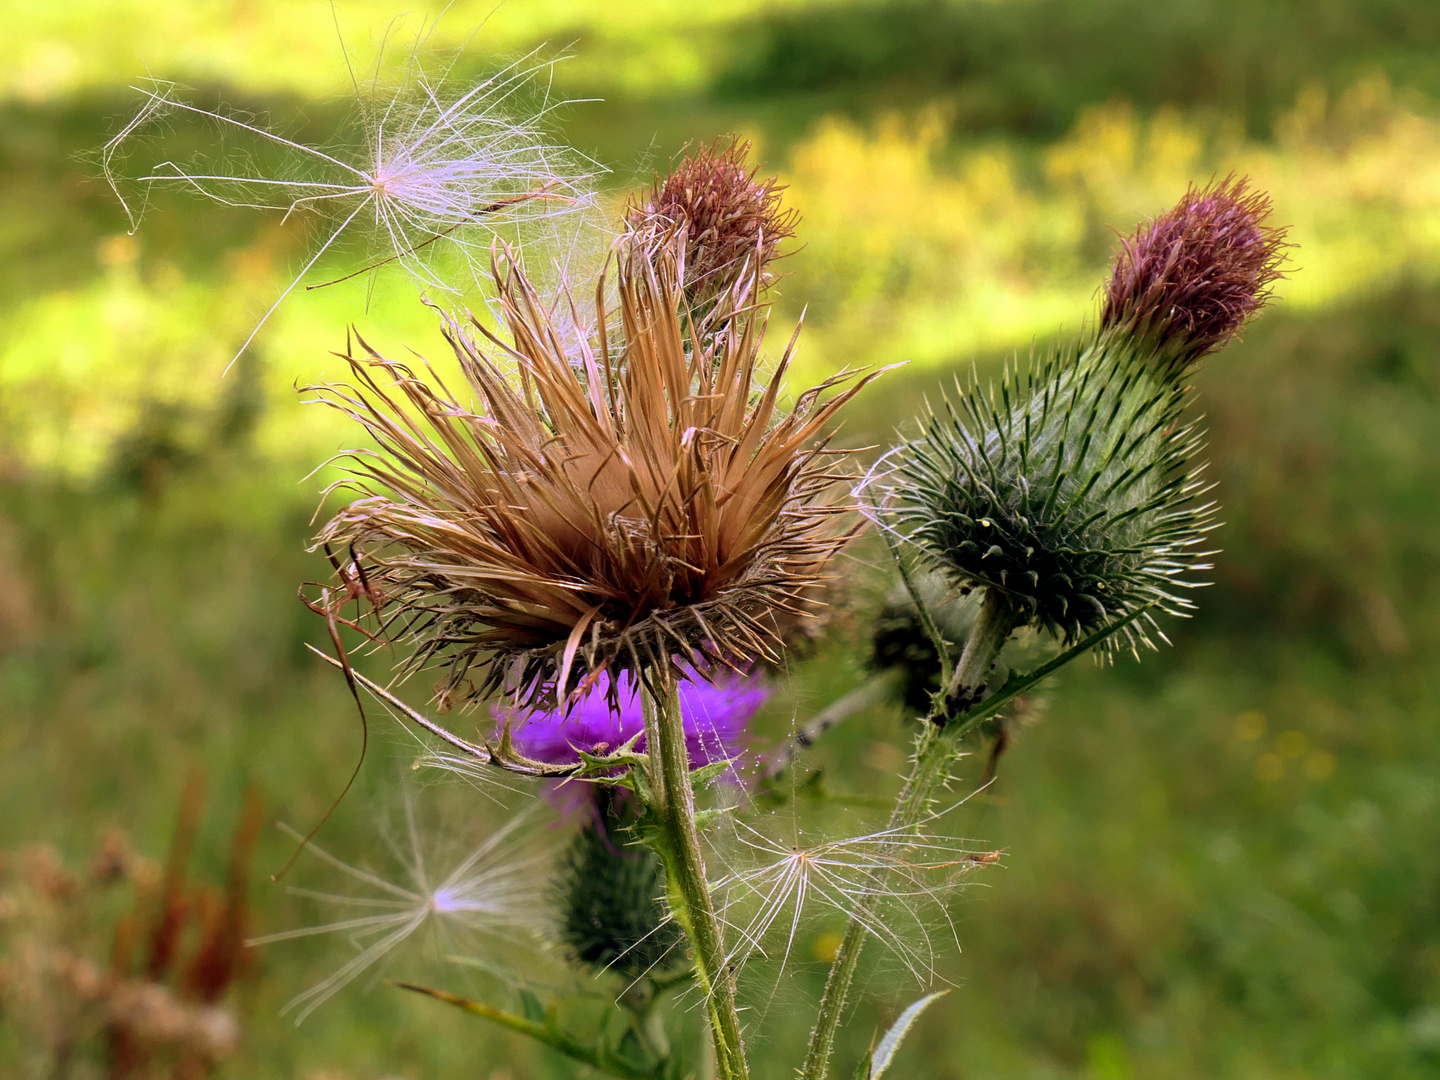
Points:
x=991 y=630
x=913 y=588
x=672 y=800
x=930 y=768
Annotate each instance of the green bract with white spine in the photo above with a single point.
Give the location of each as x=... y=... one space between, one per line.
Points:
x=1072 y=491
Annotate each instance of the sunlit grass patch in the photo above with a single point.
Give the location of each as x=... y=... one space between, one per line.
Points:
x=923 y=252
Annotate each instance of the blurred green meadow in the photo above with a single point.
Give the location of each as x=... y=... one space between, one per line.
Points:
x=1223 y=861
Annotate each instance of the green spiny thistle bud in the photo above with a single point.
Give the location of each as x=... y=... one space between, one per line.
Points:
x=1068 y=491
x=609 y=890
x=1071 y=492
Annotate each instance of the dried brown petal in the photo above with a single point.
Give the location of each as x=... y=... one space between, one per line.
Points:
x=726 y=216
x=620 y=508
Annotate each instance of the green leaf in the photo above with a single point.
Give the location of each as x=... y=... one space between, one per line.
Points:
x=531 y=1007
x=629 y=1049
x=885 y=1052
x=704 y=818
x=703 y=775
x=546 y=1031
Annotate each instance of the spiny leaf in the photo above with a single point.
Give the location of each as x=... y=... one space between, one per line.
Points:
x=884 y=1053
x=548 y=1033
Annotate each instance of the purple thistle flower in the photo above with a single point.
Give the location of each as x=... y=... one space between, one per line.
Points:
x=1190 y=279
x=715 y=718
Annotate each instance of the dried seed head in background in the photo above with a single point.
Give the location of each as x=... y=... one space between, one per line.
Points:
x=625 y=506
x=124 y=970
x=728 y=218
x=1189 y=280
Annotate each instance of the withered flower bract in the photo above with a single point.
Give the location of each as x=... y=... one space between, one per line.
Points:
x=619 y=506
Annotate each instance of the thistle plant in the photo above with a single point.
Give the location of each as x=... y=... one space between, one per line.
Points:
x=626 y=505
x=1068 y=498
x=1071 y=493
x=609 y=885
x=638 y=508
x=602 y=535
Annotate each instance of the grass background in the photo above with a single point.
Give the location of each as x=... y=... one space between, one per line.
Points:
x=1224 y=861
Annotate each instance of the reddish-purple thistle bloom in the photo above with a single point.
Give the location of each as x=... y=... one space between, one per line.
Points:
x=728 y=215
x=1190 y=279
x=715 y=718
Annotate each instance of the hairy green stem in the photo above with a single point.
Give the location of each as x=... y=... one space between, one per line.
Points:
x=672 y=800
x=930 y=768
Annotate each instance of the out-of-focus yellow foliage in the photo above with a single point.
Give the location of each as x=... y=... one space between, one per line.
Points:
x=50 y=50
x=78 y=367
x=915 y=253
x=913 y=249
x=81 y=370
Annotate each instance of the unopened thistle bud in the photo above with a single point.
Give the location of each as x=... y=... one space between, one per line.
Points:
x=1189 y=280
x=608 y=893
x=1072 y=492
x=727 y=215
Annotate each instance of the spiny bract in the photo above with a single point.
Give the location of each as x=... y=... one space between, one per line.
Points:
x=626 y=503
x=1070 y=490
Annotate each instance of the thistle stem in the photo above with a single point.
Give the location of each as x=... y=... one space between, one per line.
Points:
x=869 y=693
x=930 y=767
x=672 y=800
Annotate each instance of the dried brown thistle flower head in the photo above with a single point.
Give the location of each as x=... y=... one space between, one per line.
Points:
x=725 y=214
x=626 y=505
x=1190 y=279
